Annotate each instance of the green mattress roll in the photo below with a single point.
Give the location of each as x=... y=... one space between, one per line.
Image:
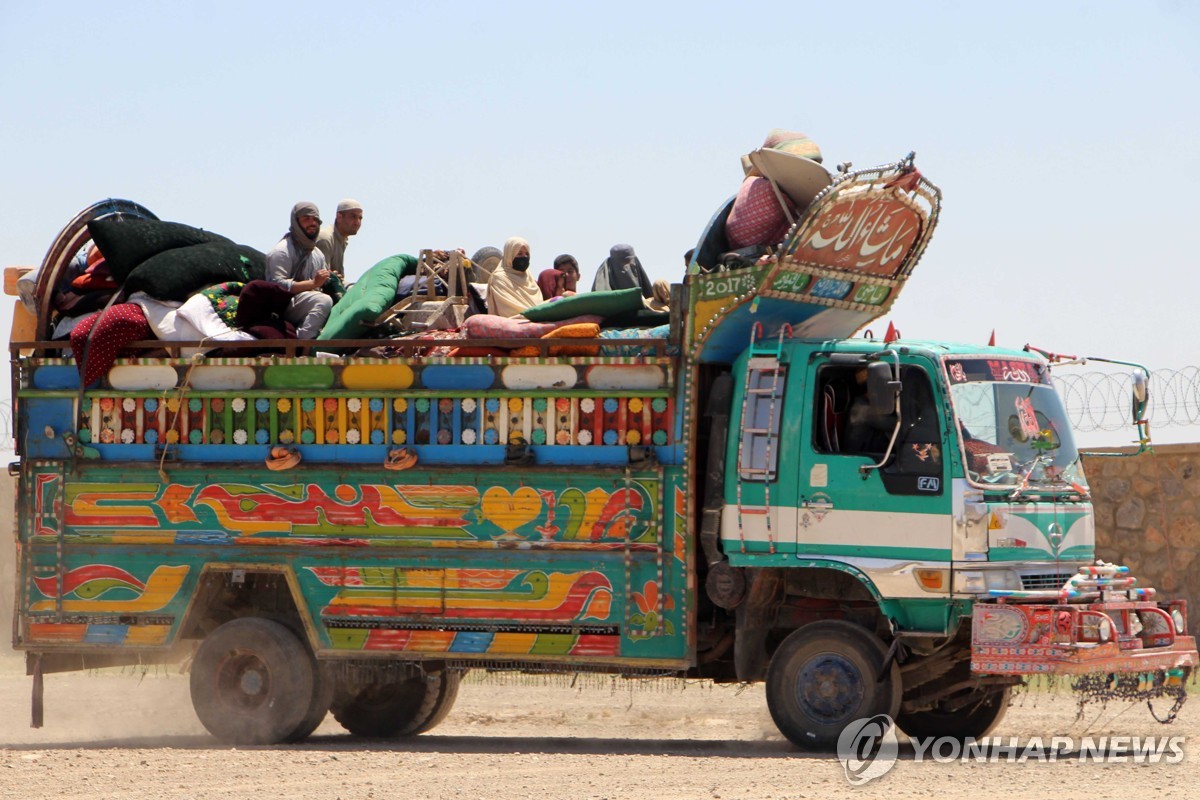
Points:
x=374 y=293
x=601 y=304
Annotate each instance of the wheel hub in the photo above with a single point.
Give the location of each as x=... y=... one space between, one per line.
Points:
x=830 y=688
x=252 y=682
x=243 y=681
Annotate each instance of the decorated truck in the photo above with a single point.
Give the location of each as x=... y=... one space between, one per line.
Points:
x=869 y=525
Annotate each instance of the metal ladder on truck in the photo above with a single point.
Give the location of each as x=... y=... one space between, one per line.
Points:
x=765 y=357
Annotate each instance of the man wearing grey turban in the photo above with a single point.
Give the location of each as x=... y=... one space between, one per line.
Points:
x=296 y=265
x=622 y=270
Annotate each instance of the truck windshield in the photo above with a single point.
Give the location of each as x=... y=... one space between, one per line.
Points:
x=1013 y=425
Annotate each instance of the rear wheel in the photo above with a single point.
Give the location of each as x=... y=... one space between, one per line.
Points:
x=322 y=698
x=405 y=707
x=253 y=682
x=825 y=676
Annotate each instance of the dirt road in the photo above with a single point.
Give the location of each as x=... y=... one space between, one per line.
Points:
x=136 y=737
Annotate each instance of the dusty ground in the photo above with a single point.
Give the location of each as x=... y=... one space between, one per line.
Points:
x=124 y=735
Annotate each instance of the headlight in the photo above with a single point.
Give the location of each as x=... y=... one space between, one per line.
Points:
x=1002 y=579
x=1177 y=618
x=969 y=582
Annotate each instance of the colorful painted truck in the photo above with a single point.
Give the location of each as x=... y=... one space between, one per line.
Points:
x=867 y=525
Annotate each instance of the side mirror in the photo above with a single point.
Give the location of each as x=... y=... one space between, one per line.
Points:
x=882 y=389
x=1141 y=396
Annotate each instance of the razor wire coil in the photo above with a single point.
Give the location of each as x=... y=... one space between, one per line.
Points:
x=1100 y=401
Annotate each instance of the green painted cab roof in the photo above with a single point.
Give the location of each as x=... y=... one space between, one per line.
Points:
x=931 y=349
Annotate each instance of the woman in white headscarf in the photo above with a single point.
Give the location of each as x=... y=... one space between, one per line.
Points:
x=512 y=289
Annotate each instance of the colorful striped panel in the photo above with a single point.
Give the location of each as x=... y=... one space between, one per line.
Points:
x=502 y=643
x=98 y=633
x=340 y=420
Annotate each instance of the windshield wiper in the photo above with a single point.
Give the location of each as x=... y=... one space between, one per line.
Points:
x=1024 y=484
x=1055 y=479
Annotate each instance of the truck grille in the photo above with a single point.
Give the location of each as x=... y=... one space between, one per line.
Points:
x=1045 y=580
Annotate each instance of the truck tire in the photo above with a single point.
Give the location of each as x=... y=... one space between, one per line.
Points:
x=322 y=698
x=484 y=263
x=399 y=708
x=70 y=239
x=973 y=721
x=825 y=676
x=253 y=682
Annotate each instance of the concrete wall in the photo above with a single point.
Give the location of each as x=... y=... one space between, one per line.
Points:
x=1148 y=518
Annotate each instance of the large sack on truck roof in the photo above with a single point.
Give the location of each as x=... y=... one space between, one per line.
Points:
x=794 y=142
x=179 y=273
x=757 y=216
x=126 y=243
x=363 y=302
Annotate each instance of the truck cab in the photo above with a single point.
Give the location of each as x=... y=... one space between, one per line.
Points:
x=966 y=478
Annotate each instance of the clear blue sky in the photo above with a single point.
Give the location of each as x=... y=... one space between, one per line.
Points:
x=1063 y=134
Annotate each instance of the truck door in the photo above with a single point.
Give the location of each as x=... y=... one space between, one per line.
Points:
x=762 y=457
x=878 y=517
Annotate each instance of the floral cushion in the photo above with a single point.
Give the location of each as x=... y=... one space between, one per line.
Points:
x=659 y=332
x=224 y=299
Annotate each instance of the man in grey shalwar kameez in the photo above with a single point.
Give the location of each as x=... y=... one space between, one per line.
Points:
x=622 y=270
x=297 y=266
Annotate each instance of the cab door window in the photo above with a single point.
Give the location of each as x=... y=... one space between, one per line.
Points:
x=847 y=426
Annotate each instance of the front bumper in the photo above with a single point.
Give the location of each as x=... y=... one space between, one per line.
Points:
x=1079 y=639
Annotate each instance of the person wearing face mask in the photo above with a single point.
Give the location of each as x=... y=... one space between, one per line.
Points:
x=511 y=289
x=299 y=267
x=622 y=270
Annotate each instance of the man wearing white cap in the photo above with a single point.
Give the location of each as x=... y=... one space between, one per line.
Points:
x=333 y=237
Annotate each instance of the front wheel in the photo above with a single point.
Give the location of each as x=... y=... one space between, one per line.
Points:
x=398 y=708
x=253 y=682
x=826 y=675
x=972 y=717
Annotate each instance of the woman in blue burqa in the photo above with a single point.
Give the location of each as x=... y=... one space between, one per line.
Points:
x=622 y=270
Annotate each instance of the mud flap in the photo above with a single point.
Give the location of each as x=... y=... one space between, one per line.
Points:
x=755 y=617
x=35 y=667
